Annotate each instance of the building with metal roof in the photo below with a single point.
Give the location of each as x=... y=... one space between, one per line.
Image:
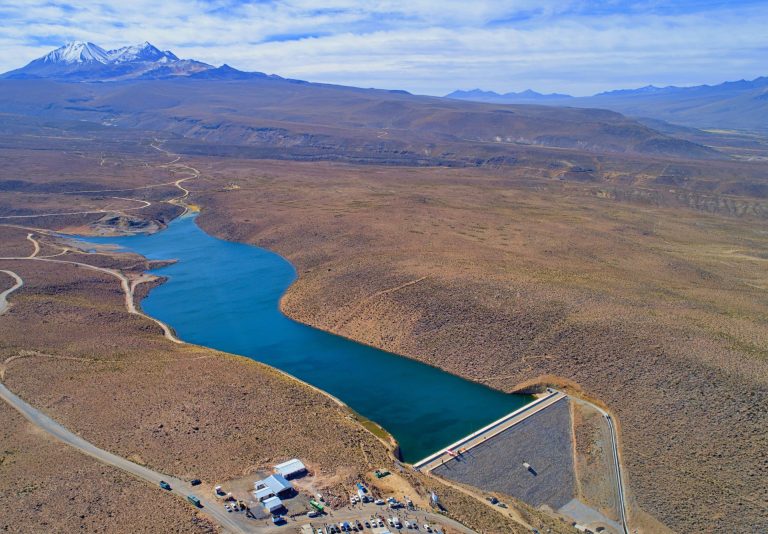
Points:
x=291 y=468
x=277 y=484
x=263 y=493
x=272 y=504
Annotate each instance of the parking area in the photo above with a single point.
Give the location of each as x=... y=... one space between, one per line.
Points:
x=268 y=502
x=379 y=519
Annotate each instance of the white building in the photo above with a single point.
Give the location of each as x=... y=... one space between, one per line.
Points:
x=276 y=484
x=272 y=504
x=291 y=468
x=263 y=493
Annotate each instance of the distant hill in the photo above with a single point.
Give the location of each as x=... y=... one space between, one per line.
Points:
x=225 y=72
x=155 y=90
x=524 y=97
x=220 y=107
x=741 y=105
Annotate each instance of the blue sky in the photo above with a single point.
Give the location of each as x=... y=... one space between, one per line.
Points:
x=424 y=46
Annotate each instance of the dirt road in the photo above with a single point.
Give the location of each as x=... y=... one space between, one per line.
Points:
x=616 y=464
x=127 y=285
x=179 y=487
x=4 y=305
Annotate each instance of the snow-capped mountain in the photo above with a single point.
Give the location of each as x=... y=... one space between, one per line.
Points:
x=140 y=52
x=84 y=61
x=77 y=52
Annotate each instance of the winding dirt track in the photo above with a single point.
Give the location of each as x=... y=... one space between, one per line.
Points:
x=89 y=212
x=126 y=285
x=53 y=428
x=4 y=304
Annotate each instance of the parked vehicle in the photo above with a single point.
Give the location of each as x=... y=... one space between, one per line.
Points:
x=165 y=485
x=195 y=481
x=380 y=502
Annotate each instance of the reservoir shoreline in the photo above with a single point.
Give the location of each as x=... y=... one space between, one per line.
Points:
x=420 y=407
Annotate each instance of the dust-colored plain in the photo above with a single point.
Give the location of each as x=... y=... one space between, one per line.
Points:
x=646 y=297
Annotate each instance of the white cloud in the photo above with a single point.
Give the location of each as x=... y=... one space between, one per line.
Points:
x=419 y=45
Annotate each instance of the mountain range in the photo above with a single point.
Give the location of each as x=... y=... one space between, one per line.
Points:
x=741 y=105
x=155 y=89
x=83 y=61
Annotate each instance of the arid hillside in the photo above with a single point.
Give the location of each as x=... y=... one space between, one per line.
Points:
x=323 y=121
x=70 y=348
x=638 y=282
x=658 y=313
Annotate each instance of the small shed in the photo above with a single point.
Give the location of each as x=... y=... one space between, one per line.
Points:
x=272 y=504
x=291 y=468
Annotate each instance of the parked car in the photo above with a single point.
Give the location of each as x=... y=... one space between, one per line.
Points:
x=195 y=481
x=427 y=527
x=380 y=502
x=165 y=485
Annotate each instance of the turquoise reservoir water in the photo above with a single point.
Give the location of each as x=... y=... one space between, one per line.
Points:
x=225 y=296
